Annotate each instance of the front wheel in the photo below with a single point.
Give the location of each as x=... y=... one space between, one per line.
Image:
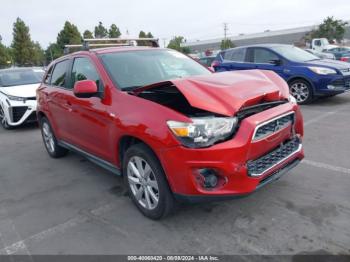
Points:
x=146 y=182
x=3 y=119
x=50 y=140
x=301 y=90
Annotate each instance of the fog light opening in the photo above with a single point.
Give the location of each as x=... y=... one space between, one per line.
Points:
x=210 y=178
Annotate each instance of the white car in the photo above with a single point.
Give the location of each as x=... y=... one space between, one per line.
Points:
x=18 y=95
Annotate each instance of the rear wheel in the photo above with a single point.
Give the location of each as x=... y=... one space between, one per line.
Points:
x=3 y=119
x=146 y=182
x=50 y=140
x=301 y=90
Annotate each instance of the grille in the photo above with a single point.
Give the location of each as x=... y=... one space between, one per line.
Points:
x=342 y=83
x=31 y=98
x=261 y=165
x=273 y=126
x=32 y=117
x=18 y=112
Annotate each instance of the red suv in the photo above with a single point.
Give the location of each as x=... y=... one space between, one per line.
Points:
x=171 y=127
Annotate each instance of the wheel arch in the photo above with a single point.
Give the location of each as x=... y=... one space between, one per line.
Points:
x=40 y=115
x=293 y=78
x=126 y=141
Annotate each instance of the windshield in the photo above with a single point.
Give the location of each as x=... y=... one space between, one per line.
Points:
x=294 y=54
x=132 y=69
x=20 y=77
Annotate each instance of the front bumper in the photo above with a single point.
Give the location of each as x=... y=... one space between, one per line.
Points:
x=332 y=85
x=232 y=160
x=20 y=112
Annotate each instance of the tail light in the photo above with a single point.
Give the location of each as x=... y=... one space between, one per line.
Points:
x=215 y=63
x=345 y=59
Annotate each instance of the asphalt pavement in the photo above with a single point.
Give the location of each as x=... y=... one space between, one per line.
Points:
x=72 y=206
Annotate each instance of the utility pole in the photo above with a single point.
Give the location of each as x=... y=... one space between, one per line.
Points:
x=225 y=30
x=164 y=41
x=225 y=34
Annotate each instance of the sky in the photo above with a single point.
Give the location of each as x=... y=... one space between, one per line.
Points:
x=193 y=19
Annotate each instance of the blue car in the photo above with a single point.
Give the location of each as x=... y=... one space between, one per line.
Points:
x=307 y=75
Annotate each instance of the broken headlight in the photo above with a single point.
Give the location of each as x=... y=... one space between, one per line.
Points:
x=203 y=131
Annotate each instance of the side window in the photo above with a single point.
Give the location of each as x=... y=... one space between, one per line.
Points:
x=263 y=56
x=48 y=75
x=318 y=42
x=58 y=77
x=227 y=55
x=83 y=69
x=238 y=55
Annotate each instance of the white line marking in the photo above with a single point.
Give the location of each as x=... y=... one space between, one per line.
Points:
x=327 y=166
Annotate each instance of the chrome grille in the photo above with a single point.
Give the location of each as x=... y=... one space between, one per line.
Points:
x=273 y=126
x=263 y=164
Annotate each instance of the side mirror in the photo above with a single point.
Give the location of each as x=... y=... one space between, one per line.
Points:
x=85 y=89
x=275 y=62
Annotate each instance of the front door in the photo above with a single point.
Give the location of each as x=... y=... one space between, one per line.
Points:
x=265 y=59
x=89 y=123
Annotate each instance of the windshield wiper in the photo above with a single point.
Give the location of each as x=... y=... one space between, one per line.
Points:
x=130 y=88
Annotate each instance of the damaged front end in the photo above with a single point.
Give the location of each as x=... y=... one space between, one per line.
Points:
x=215 y=108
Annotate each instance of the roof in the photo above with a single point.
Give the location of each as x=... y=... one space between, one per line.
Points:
x=283 y=32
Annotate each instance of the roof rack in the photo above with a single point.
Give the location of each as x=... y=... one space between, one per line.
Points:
x=103 y=42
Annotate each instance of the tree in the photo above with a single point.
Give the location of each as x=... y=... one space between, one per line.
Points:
x=69 y=35
x=176 y=43
x=149 y=35
x=5 y=56
x=88 y=34
x=114 y=31
x=100 y=31
x=38 y=57
x=22 y=45
x=226 y=43
x=52 y=52
x=331 y=29
x=142 y=34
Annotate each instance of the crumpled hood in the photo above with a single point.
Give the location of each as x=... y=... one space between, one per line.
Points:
x=227 y=92
x=20 y=91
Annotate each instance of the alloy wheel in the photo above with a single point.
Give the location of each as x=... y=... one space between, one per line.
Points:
x=3 y=119
x=300 y=91
x=48 y=137
x=143 y=182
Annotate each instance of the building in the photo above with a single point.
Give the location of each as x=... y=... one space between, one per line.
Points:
x=287 y=36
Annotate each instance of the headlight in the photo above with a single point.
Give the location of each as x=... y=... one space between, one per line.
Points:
x=203 y=131
x=16 y=98
x=322 y=70
x=292 y=99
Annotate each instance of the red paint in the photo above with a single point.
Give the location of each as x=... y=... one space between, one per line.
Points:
x=85 y=87
x=97 y=124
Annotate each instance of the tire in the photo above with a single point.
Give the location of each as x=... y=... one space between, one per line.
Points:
x=149 y=183
x=50 y=141
x=3 y=120
x=302 y=91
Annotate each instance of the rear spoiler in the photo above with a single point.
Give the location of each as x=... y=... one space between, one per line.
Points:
x=110 y=42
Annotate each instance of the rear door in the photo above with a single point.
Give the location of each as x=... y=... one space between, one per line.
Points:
x=88 y=122
x=235 y=59
x=265 y=59
x=57 y=96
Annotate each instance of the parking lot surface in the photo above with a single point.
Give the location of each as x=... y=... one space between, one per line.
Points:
x=71 y=206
